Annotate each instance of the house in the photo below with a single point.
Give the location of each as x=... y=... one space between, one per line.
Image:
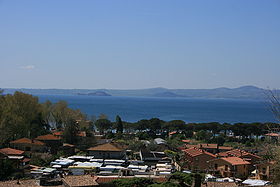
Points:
x=58 y=133
x=51 y=141
x=264 y=171
x=19 y=161
x=151 y=157
x=249 y=157
x=211 y=148
x=107 y=151
x=159 y=141
x=161 y=144
x=229 y=167
x=28 y=145
x=196 y=159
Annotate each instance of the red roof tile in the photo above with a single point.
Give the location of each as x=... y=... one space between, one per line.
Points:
x=48 y=137
x=105 y=179
x=10 y=151
x=238 y=153
x=58 y=133
x=193 y=152
x=105 y=147
x=27 y=141
x=273 y=134
x=209 y=146
x=235 y=161
x=186 y=141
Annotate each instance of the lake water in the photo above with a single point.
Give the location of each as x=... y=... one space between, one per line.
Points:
x=133 y=109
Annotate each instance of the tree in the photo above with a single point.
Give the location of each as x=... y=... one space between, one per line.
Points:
x=119 y=124
x=129 y=182
x=70 y=132
x=183 y=179
x=47 y=112
x=6 y=169
x=21 y=116
x=142 y=125
x=103 y=125
x=155 y=124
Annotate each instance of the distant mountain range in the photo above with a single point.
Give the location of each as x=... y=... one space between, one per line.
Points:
x=244 y=92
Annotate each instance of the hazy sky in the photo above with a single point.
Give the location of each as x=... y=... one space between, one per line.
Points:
x=139 y=43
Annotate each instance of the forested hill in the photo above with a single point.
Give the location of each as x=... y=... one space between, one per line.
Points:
x=245 y=92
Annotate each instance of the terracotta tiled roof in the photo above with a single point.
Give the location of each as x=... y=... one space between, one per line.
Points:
x=58 y=133
x=82 y=180
x=10 y=151
x=105 y=179
x=27 y=141
x=186 y=141
x=235 y=161
x=209 y=146
x=238 y=153
x=174 y=132
x=48 y=137
x=273 y=134
x=193 y=152
x=222 y=154
x=105 y=147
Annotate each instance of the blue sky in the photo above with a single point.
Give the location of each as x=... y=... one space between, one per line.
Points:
x=139 y=44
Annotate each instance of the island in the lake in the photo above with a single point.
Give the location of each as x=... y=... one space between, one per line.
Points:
x=97 y=93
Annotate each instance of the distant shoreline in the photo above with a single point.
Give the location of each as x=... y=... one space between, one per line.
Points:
x=245 y=92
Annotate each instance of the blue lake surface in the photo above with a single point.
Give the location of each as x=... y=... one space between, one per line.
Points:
x=133 y=109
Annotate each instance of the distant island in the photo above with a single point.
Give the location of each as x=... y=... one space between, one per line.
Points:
x=98 y=93
x=244 y=92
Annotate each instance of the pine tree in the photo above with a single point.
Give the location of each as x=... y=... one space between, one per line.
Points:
x=119 y=124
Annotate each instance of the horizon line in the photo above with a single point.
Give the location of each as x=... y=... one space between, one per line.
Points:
x=142 y=88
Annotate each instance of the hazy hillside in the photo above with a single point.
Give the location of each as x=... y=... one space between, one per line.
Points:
x=245 y=92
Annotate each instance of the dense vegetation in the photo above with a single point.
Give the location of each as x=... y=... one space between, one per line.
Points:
x=21 y=115
x=175 y=180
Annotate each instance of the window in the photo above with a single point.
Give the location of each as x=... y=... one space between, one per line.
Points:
x=216 y=166
x=226 y=167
